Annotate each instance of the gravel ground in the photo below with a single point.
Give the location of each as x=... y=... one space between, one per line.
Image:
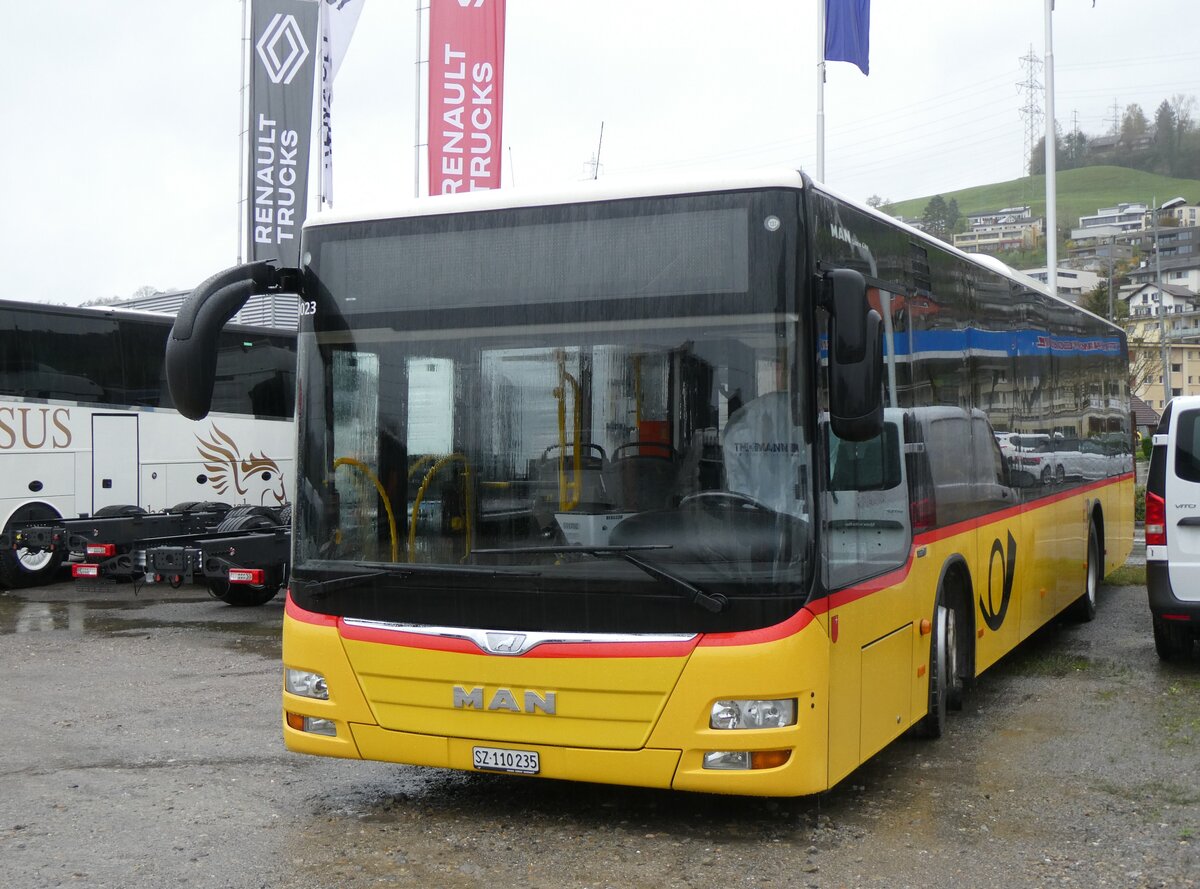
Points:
x=142 y=749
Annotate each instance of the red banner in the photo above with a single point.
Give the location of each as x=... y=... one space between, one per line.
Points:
x=466 y=89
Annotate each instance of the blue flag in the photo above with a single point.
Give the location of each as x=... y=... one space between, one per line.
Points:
x=847 y=31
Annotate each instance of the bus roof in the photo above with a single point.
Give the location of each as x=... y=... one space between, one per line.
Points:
x=576 y=192
x=616 y=188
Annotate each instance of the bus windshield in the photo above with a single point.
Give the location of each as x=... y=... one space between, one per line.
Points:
x=514 y=419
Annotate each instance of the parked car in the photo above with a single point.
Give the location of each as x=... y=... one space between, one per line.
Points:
x=1081 y=458
x=1173 y=529
x=1032 y=458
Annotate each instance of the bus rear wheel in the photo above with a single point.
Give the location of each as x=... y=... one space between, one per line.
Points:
x=1084 y=608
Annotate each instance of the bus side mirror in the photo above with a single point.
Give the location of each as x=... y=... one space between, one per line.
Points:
x=191 y=357
x=855 y=358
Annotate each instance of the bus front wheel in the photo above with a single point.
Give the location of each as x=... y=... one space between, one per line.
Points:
x=22 y=568
x=944 y=681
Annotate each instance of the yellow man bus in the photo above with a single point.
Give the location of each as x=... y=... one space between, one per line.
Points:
x=698 y=485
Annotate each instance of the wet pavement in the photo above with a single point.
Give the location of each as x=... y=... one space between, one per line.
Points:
x=142 y=748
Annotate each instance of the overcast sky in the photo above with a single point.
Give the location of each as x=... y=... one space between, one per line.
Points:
x=119 y=121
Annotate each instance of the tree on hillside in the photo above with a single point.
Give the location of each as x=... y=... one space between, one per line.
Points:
x=936 y=217
x=1076 y=148
x=954 y=219
x=1133 y=123
x=1186 y=160
x=1096 y=302
x=1166 y=138
x=883 y=205
x=1184 y=108
x=1062 y=156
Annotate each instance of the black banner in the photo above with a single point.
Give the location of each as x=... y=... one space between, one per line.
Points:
x=283 y=56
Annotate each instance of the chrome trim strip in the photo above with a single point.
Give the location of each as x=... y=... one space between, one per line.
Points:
x=506 y=642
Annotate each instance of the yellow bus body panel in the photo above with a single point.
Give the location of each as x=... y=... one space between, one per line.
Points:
x=666 y=704
x=610 y=703
x=857 y=666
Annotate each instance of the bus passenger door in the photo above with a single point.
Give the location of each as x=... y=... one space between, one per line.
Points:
x=114 y=459
x=868 y=533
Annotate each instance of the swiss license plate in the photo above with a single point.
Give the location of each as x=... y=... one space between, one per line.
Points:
x=497 y=759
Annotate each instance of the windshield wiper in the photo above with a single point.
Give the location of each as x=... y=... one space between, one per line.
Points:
x=404 y=572
x=714 y=602
x=346 y=582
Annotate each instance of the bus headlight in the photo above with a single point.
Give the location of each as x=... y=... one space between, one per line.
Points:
x=752 y=714
x=306 y=684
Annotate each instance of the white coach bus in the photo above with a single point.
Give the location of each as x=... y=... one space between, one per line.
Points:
x=88 y=427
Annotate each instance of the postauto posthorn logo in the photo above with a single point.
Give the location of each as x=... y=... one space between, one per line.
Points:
x=283 y=32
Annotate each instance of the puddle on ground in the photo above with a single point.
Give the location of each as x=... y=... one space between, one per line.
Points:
x=50 y=610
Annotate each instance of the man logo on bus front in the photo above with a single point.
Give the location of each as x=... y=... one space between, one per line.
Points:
x=254 y=478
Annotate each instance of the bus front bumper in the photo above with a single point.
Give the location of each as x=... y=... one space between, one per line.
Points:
x=647 y=767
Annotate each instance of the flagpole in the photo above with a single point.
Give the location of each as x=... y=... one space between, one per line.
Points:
x=1051 y=160
x=821 y=90
x=323 y=60
x=242 y=141
x=417 y=105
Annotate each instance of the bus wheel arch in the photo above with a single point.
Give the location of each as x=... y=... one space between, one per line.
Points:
x=20 y=568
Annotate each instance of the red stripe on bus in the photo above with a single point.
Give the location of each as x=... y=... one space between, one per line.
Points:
x=379 y=636
x=295 y=612
x=789 y=627
x=1012 y=511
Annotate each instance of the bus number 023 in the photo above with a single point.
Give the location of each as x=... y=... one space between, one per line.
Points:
x=308 y=307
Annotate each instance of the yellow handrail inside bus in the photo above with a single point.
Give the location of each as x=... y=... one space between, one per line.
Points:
x=422 y=462
x=387 y=502
x=569 y=489
x=467 y=498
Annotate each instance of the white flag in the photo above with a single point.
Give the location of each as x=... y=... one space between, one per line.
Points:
x=338 y=19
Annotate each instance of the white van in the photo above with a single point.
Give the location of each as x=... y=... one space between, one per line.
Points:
x=1173 y=529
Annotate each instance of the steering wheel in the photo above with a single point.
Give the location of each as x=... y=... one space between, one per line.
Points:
x=732 y=499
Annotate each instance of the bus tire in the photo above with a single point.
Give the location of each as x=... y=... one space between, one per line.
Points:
x=118 y=509
x=248 y=519
x=943 y=670
x=1172 y=641
x=1083 y=609
x=21 y=568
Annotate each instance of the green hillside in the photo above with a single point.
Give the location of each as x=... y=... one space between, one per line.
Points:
x=1080 y=193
